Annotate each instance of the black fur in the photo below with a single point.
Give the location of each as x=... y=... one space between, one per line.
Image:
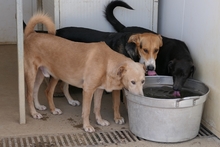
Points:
x=116 y=41
x=173 y=59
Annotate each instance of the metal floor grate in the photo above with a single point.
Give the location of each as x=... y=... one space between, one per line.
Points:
x=71 y=140
x=204 y=132
x=80 y=139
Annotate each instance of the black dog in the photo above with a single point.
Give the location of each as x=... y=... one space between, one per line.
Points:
x=173 y=59
x=119 y=42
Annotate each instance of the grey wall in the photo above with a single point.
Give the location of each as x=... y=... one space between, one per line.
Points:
x=197 y=23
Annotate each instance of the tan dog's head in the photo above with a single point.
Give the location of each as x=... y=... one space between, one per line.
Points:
x=133 y=77
x=147 y=46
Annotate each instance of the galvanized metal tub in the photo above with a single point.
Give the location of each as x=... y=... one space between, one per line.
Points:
x=166 y=120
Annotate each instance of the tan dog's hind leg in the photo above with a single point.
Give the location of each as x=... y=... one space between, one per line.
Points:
x=86 y=107
x=97 y=107
x=38 y=81
x=71 y=101
x=30 y=77
x=49 y=93
x=116 y=105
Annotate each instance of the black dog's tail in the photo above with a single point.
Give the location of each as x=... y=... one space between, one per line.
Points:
x=110 y=16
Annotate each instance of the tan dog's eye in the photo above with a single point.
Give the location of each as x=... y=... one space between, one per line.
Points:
x=156 y=50
x=133 y=82
x=146 y=51
x=142 y=82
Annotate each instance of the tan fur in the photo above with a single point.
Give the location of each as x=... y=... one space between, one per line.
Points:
x=33 y=21
x=90 y=66
x=148 y=45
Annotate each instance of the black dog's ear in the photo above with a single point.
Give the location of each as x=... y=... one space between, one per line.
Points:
x=192 y=70
x=170 y=65
x=24 y=25
x=130 y=48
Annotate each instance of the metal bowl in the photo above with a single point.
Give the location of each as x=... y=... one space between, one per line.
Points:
x=164 y=119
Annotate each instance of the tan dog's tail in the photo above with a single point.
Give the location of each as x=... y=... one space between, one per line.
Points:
x=40 y=18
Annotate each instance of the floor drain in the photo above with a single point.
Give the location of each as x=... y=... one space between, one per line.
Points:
x=204 y=132
x=71 y=140
x=80 y=139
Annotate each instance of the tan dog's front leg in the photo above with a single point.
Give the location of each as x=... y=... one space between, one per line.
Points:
x=116 y=106
x=86 y=106
x=49 y=93
x=97 y=107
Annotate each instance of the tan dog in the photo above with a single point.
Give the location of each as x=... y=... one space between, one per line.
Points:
x=147 y=48
x=90 y=66
x=142 y=47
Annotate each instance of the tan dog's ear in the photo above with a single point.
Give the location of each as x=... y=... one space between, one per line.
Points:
x=161 y=40
x=134 y=38
x=121 y=70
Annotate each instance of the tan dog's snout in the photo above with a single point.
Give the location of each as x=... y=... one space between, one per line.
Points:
x=148 y=45
x=138 y=91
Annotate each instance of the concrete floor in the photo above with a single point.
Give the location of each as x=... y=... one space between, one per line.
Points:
x=70 y=121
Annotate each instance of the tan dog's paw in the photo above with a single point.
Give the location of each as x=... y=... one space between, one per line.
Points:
x=37 y=115
x=103 y=122
x=74 y=102
x=56 y=111
x=89 y=129
x=41 y=107
x=119 y=121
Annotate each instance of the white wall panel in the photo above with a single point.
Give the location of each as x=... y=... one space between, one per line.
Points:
x=8 y=18
x=84 y=13
x=8 y=21
x=170 y=18
x=89 y=13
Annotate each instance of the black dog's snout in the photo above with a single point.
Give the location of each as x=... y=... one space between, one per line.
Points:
x=150 y=67
x=175 y=88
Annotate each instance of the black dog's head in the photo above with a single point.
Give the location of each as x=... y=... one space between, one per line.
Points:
x=180 y=70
